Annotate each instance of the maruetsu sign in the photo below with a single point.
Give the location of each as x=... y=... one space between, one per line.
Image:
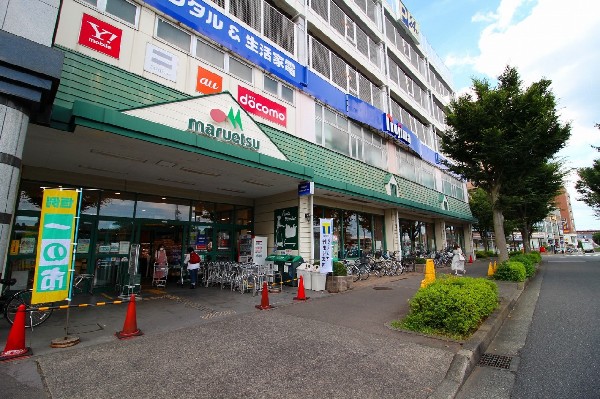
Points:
x=224 y=134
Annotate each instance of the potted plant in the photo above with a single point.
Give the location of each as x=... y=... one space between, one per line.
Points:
x=338 y=281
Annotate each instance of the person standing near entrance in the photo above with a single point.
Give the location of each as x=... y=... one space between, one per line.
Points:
x=458 y=260
x=193 y=264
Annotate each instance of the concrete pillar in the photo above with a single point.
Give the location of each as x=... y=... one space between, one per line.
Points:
x=468 y=240
x=440 y=234
x=392 y=234
x=14 y=119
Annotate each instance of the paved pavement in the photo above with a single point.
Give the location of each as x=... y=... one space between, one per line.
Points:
x=214 y=343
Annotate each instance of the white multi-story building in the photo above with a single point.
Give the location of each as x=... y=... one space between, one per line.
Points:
x=204 y=124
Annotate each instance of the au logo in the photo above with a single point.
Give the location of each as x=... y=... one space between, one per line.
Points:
x=219 y=116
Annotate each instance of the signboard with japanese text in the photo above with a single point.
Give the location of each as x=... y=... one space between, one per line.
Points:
x=326 y=245
x=259 y=250
x=261 y=106
x=55 y=246
x=206 y=19
x=100 y=36
x=306 y=188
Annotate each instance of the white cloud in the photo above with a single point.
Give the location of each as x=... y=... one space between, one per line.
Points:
x=553 y=40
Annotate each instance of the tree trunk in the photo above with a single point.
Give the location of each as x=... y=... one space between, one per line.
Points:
x=498 y=225
x=525 y=233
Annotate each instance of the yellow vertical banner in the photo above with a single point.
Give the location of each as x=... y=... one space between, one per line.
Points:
x=55 y=246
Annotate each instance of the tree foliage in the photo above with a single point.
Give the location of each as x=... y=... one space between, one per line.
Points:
x=497 y=135
x=588 y=185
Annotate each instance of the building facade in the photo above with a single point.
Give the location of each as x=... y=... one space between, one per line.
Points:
x=204 y=124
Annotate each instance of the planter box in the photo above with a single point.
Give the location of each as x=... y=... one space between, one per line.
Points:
x=318 y=281
x=338 y=283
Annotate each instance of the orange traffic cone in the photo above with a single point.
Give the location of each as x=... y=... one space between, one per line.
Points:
x=15 y=344
x=264 y=302
x=130 y=326
x=301 y=296
x=470 y=258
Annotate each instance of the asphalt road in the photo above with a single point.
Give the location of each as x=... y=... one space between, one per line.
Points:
x=551 y=337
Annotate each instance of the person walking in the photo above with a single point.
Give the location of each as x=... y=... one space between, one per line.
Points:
x=458 y=260
x=193 y=264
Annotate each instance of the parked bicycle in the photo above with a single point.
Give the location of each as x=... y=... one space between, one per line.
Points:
x=11 y=300
x=355 y=269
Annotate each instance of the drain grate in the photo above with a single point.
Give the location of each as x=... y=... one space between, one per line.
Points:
x=382 y=288
x=501 y=362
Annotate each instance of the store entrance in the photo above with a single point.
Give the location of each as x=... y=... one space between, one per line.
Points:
x=151 y=235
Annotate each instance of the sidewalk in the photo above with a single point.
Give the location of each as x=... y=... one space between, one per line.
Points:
x=229 y=326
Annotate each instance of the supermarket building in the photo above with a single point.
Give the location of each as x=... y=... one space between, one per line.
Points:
x=200 y=123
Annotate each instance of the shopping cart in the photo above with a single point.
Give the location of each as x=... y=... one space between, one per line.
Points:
x=159 y=277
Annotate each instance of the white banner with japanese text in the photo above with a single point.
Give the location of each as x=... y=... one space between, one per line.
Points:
x=326 y=241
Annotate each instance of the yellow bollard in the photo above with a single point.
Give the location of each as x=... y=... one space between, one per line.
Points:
x=490 y=270
x=429 y=273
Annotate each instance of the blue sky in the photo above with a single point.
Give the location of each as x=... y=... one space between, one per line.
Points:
x=552 y=39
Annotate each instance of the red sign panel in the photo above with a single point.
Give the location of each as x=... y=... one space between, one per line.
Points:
x=100 y=36
x=261 y=106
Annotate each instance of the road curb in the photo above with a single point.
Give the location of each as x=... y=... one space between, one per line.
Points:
x=467 y=358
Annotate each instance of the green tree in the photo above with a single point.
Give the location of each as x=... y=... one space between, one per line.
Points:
x=481 y=207
x=588 y=185
x=596 y=238
x=496 y=135
x=528 y=201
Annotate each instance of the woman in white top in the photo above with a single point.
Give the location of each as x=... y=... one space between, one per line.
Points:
x=192 y=259
x=458 y=260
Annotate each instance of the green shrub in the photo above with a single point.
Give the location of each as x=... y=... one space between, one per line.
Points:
x=491 y=254
x=510 y=271
x=537 y=257
x=481 y=254
x=527 y=261
x=451 y=306
x=421 y=261
x=339 y=269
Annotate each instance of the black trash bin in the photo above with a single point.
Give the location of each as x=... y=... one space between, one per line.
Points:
x=292 y=264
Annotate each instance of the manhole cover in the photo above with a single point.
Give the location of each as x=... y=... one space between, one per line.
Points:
x=501 y=362
x=382 y=288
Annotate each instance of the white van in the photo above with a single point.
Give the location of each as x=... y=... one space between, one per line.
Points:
x=587 y=246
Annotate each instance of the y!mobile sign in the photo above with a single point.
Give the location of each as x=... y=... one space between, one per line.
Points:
x=261 y=106
x=208 y=20
x=100 y=36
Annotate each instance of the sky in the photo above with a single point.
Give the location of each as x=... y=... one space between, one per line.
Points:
x=551 y=39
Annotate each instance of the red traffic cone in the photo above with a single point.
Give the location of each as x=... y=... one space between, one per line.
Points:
x=130 y=326
x=301 y=296
x=470 y=259
x=15 y=343
x=264 y=302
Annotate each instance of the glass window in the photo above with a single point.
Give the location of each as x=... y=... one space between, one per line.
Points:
x=319 y=131
x=378 y=232
x=224 y=213
x=25 y=231
x=173 y=35
x=203 y=212
x=110 y=233
x=271 y=85
x=365 y=234
x=89 y=202
x=240 y=69
x=30 y=196
x=117 y=204
x=337 y=139
x=122 y=9
x=154 y=207
x=210 y=54
x=351 y=248
x=287 y=94
x=201 y=238
x=243 y=216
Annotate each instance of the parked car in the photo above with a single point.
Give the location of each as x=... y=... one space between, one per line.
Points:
x=587 y=247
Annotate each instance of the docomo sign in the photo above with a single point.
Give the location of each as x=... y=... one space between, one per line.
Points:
x=100 y=36
x=261 y=106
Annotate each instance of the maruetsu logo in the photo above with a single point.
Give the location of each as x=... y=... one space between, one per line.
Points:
x=220 y=133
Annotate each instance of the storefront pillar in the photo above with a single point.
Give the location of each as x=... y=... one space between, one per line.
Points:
x=468 y=240
x=392 y=230
x=305 y=229
x=440 y=234
x=14 y=119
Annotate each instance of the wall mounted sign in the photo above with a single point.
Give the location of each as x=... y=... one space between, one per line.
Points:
x=395 y=129
x=203 y=17
x=286 y=229
x=306 y=188
x=100 y=36
x=208 y=82
x=223 y=133
x=161 y=62
x=261 y=106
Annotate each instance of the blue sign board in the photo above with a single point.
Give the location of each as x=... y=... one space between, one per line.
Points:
x=306 y=188
x=209 y=21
